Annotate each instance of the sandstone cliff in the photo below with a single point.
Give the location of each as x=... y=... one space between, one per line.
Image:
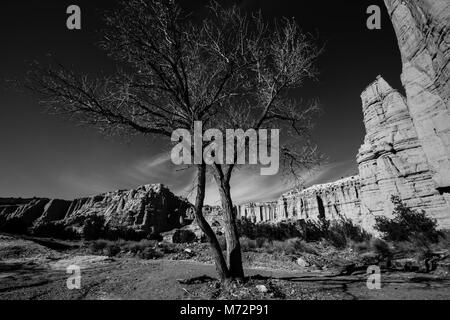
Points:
x=331 y=201
x=146 y=210
x=422 y=28
x=392 y=161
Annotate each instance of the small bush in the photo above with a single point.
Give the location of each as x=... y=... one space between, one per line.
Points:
x=2 y=221
x=342 y=233
x=381 y=248
x=155 y=237
x=14 y=226
x=293 y=246
x=444 y=241
x=93 y=227
x=360 y=247
x=261 y=242
x=145 y=249
x=112 y=250
x=135 y=247
x=270 y=231
x=150 y=253
x=167 y=248
x=97 y=246
x=337 y=232
x=408 y=225
x=314 y=230
x=297 y=246
x=277 y=246
x=184 y=236
x=123 y=233
x=56 y=229
x=247 y=244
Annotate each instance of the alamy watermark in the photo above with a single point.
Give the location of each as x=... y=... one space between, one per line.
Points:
x=232 y=147
x=374 y=20
x=74 y=20
x=374 y=279
x=74 y=281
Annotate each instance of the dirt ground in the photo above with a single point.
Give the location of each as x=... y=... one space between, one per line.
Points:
x=32 y=271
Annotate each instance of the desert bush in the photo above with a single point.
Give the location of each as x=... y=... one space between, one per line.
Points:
x=279 y=231
x=408 y=225
x=145 y=249
x=55 y=229
x=167 y=248
x=2 y=220
x=294 y=246
x=301 y=246
x=276 y=246
x=381 y=248
x=338 y=233
x=261 y=242
x=93 y=227
x=184 y=236
x=297 y=246
x=444 y=241
x=155 y=236
x=134 y=247
x=150 y=253
x=112 y=249
x=313 y=230
x=247 y=244
x=125 y=233
x=15 y=226
x=97 y=246
x=105 y=247
x=342 y=232
x=360 y=247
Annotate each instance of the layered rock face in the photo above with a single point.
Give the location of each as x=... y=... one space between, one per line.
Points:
x=406 y=151
x=148 y=209
x=407 y=146
x=392 y=160
x=258 y=212
x=422 y=28
x=330 y=201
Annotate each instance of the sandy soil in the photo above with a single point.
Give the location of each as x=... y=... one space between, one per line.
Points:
x=32 y=271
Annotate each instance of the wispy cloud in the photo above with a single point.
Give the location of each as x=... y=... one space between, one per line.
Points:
x=247 y=184
x=156 y=169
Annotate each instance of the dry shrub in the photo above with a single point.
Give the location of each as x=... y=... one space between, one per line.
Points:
x=408 y=225
x=145 y=249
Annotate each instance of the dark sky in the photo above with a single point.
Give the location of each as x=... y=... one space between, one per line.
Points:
x=42 y=155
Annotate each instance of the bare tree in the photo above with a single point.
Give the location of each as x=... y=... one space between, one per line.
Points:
x=274 y=59
x=230 y=70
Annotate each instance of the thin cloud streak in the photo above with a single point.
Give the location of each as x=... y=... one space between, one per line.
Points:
x=247 y=185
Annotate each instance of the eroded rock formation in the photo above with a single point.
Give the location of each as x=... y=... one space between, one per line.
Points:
x=422 y=28
x=392 y=160
x=331 y=201
x=406 y=151
x=258 y=212
x=147 y=210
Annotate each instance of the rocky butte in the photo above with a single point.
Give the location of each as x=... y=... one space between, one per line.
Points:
x=406 y=151
x=150 y=209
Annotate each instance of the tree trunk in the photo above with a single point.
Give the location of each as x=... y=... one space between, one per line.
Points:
x=216 y=250
x=234 y=256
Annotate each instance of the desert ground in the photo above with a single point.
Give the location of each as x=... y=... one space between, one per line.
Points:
x=36 y=269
